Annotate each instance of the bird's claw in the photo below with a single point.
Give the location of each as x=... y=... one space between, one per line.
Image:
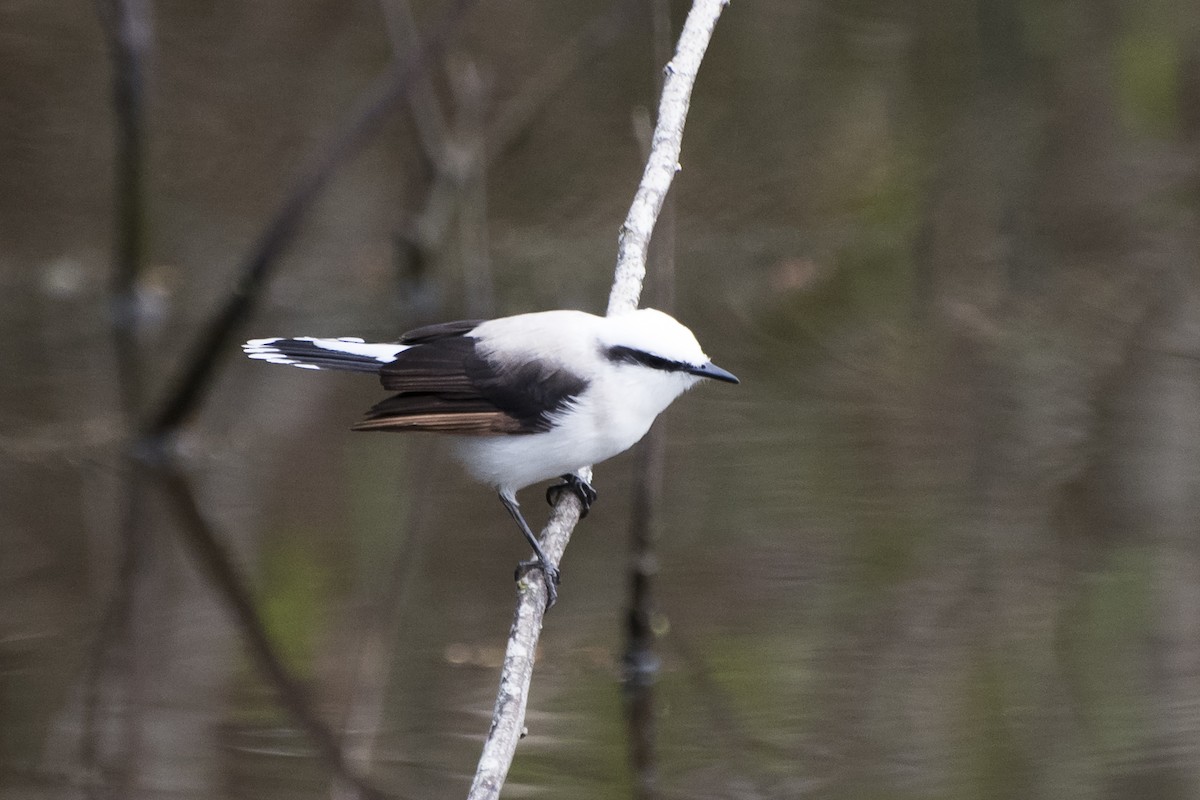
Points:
x=550 y=573
x=577 y=486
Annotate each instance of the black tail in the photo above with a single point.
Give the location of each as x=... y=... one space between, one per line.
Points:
x=307 y=352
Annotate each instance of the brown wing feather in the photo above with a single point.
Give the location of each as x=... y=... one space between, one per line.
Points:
x=433 y=412
x=477 y=423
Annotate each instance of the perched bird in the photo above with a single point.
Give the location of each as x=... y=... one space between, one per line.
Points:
x=525 y=398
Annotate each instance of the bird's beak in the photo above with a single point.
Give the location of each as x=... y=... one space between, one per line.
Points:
x=711 y=370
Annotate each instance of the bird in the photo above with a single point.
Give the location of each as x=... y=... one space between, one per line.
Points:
x=525 y=398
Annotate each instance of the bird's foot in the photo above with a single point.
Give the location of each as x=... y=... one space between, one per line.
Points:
x=550 y=573
x=577 y=486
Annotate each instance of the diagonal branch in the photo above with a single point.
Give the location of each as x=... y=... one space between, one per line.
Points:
x=422 y=98
x=512 y=120
x=388 y=89
x=220 y=566
x=517 y=673
x=680 y=75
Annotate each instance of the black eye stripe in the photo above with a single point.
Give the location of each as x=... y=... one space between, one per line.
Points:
x=630 y=355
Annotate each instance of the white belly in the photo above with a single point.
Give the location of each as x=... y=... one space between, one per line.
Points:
x=606 y=420
x=511 y=463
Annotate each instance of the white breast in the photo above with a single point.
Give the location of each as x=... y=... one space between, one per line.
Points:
x=612 y=415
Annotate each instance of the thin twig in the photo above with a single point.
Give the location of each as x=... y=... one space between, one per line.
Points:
x=422 y=99
x=381 y=631
x=215 y=340
x=634 y=239
x=112 y=628
x=127 y=28
x=516 y=674
x=443 y=200
x=640 y=662
x=126 y=25
x=508 y=718
x=465 y=155
x=220 y=567
x=513 y=118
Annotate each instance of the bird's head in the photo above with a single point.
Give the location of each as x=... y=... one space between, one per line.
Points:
x=656 y=341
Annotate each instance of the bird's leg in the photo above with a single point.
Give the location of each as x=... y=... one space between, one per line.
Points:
x=542 y=562
x=577 y=486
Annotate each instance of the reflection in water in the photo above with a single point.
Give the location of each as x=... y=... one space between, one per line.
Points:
x=939 y=543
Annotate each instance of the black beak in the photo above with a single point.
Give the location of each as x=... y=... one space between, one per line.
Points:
x=711 y=370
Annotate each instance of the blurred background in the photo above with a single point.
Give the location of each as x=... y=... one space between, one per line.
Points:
x=940 y=543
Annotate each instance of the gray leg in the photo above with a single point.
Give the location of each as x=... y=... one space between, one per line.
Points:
x=549 y=571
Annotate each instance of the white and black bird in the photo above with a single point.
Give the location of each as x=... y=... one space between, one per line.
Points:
x=526 y=398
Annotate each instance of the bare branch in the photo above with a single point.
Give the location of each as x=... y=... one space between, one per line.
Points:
x=465 y=161
x=373 y=655
x=640 y=662
x=508 y=718
x=590 y=41
x=422 y=99
x=112 y=631
x=456 y=162
x=509 y=715
x=127 y=27
x=634 y=239
x=220 y=567
x=373 y=108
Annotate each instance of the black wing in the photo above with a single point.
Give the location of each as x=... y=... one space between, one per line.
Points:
x=444 y=384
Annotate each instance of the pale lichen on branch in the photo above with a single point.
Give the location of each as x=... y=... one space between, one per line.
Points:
x=633 y=244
